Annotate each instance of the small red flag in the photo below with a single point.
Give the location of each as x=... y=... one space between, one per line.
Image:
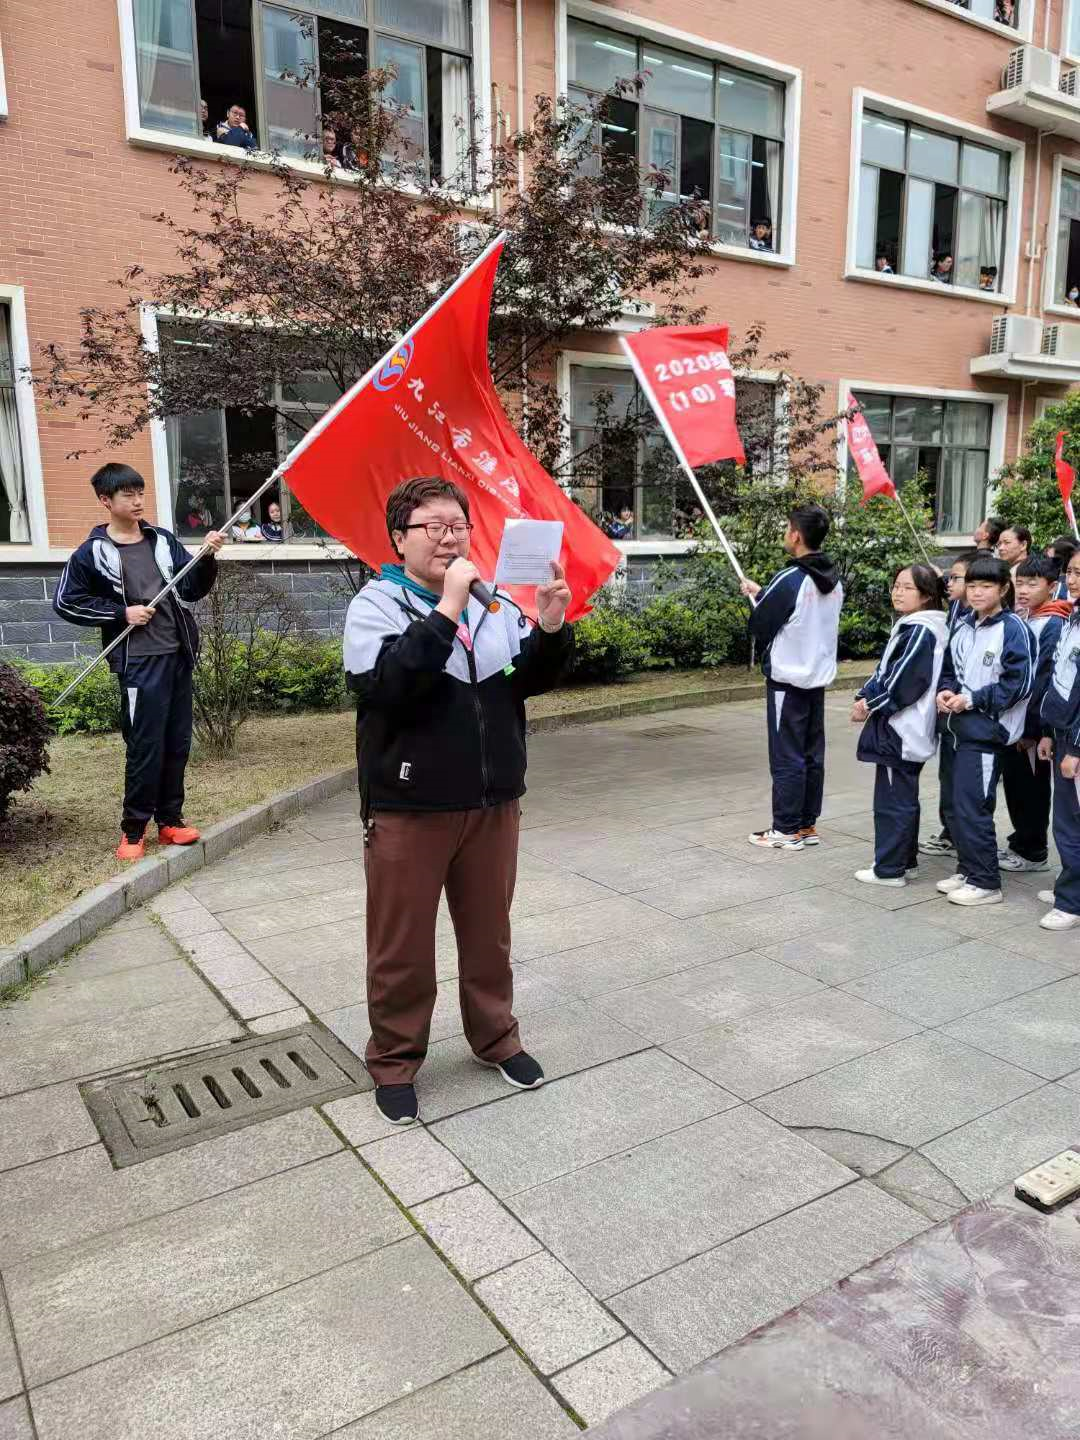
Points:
x=1066 y=475
x=429 y=407
x=861 y=448
x=686 y=376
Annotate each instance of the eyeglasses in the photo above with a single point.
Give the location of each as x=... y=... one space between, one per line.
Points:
x=435 y=531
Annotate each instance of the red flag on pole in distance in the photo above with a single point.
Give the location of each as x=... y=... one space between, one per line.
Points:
x=686 y=376
x=429 y=407
x=861 y=447
x=1066 y=478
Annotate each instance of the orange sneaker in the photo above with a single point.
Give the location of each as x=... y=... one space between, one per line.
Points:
x=131 y=849
x=809 y=836
x=178 y=834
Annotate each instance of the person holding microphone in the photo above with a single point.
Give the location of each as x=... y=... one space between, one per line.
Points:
x=441 y=678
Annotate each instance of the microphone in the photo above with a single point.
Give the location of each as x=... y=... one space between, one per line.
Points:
x=480 y=592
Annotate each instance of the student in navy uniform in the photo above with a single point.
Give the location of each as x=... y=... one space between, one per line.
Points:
x=897 y=708
x=1061 y=552
x=958 y=613
x=1026 y=779
x=795 y=623
x=983 y=693
x=109 y=581
x=1061 y=718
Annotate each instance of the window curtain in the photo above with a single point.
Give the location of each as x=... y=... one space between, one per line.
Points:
x=455 y=117
x=147 y=48
x=172 y=442
x=12 y=475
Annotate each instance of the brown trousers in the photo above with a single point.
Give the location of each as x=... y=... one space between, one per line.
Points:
x=408 y=862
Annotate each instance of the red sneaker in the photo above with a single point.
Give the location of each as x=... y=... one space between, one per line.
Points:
x=178 y=834
x=809 y=835
x=131 y=849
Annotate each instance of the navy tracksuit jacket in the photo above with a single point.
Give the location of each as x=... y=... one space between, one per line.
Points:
x=795 y=625
x=1060 y=715
x=900 y=734
x=957 y=614
x=1025 y=779
x=992 y=662
x=155 y=690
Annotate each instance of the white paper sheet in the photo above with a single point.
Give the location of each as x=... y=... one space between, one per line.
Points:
x=527 y=550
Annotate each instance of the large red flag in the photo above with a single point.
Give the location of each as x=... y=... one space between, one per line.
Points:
x=861 y=447
x=686 y=376
x=429 y=407
x=1066 y=478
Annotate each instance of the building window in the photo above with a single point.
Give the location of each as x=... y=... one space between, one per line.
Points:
x=627 y=481
x=714 y=132
x=274 y=76
x=931 y=205
x=948 y=440
x=1067 y=266
x=1004 y=12
x=14 y=515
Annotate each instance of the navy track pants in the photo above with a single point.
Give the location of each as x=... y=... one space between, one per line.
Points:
x=1027 y=781
x=796 y=720
x=946 y=761
x=155 y=718
x=896 y=819
x=1067 y=839
x=975 y=778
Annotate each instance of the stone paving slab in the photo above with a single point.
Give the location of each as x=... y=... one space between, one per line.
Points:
x=908 y=1093
x=623 y=1219
x=1055 y=949
x=68 y=1002
x=83 y=1304
x=10 y=1379
x=297 y=1363
x=922 y=1185
x=800 y=1038
x=121 y=947
x=73 y=1197
x=40 y=1123
x=1040 y=1031
x=550 y=1315
x=297 y=880
x=499 y=1397
x=415 y=1166
x=475 y=1233
x=560 y=929
x=987 y=1153
x=605 y=1382
x=580 y=1119
x=15 y=1421
x=862 y=947
x=696 y=1309
x=257 y=922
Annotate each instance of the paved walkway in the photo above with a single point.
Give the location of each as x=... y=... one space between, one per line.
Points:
x=764 y=1076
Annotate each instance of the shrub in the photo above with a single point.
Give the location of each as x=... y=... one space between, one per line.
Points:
x=92 y=709
x=24 y=736
x=608 y=643
x=303 y=674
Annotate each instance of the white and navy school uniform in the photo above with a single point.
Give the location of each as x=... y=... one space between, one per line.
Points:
x=900 y=734
x=795 y=625
x=957 y=614
x=1025 y=779
x=992 y=662
x=1061 y=717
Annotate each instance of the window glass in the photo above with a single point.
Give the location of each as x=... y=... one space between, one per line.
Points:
x=747 y=102
x=967 y=423
x=765 y=187
x=916 y=259
x=443 y=22
x=590 y=382
x=165 y=62
x=598 y=58
x=916 y=418
x=660 y=142
x=905 y=464
x=197 y=471
x=1070 y=190
x=288 y=42
x=406 y=91
x=695 y=160
x=937 y=157
x=14 y=517
x=877 y=411
x=618 y=128
x=732 y=187
x=1074 y=29
x=882 y=141
x=589 y=162
x=679 y=82
x=866 y=233
x=981 y=233
x=984 y=169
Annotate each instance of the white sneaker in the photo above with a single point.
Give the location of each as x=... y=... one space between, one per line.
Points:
x=1047 y=897
x=953 y=882
x=973 y=895
x=871 y=877
x=1009 y=860
x=775 y=840
x=937 y=845
x=1059 y=920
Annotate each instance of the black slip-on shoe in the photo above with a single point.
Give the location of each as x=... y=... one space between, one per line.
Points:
x=397 y=1103
x=520 y=1070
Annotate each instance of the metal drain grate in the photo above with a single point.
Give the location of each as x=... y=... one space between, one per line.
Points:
x=148 y=1112
x=668 y=732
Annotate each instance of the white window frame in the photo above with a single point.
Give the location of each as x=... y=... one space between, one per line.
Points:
x=1062 y=163
x=946 y=125
x=3 y=87
x=14 y=296
x=787 y=75
x=609 y=360
x=137 y=134
x=1019 y=36
x=998 y=426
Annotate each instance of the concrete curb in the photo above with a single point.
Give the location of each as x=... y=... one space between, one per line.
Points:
x=682 y=700
x=91 y=912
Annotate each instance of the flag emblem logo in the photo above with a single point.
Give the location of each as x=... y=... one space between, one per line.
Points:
x=393 y=368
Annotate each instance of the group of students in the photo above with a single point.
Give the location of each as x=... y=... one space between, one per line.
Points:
x=993 y=681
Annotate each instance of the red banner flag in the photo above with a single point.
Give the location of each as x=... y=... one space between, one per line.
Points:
x=686 y=376
x=429 y=407
x=861 y=448
x=1066 y=475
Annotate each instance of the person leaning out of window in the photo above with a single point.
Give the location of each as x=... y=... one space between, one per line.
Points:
x=233 y=130
x=440 y=685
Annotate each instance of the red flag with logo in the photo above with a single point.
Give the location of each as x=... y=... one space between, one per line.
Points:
x=863 y=451
x=429 y=407
x=1066 y=477
x=686 y=376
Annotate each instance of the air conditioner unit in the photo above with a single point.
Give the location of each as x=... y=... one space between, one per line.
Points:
x=1068 y=84
x=1028 y=65
x=1061 y=342
x=1016 y=335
